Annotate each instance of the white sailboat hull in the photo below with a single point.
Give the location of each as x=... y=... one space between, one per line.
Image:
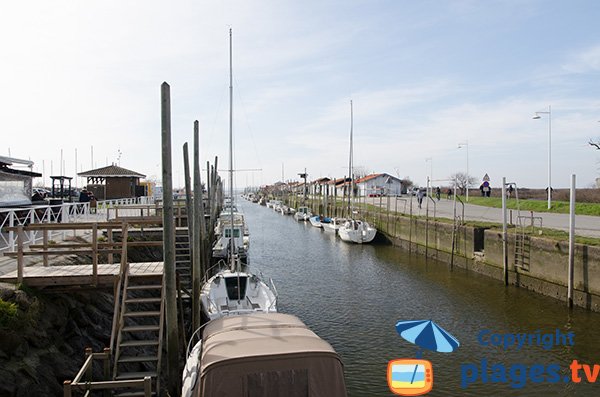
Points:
x=220 y=297
x=357 y=232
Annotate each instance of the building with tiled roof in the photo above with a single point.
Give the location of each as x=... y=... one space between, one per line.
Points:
x=112 y=182
x=111 y=171
x=379 y=185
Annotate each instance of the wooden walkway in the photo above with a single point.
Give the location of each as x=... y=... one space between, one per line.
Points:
x=70 y=275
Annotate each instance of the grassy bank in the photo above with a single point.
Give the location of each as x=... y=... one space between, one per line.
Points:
x=558 y=207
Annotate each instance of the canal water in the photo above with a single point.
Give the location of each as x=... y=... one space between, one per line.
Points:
x=353 y=295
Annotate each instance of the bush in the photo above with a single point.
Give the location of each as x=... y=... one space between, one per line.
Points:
x=8 y=312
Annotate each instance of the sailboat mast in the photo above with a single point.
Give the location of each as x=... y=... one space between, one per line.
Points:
x=231 y=239
x=350 y=174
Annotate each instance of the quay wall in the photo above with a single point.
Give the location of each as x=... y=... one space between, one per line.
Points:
x=480 y=250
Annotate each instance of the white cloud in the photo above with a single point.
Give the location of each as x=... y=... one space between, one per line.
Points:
x=585 y=61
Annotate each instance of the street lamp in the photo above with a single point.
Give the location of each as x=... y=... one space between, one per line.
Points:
x=537 y=117
x=465 y=144
x=430 y=160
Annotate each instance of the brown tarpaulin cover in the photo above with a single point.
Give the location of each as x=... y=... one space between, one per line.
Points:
x=264 y=355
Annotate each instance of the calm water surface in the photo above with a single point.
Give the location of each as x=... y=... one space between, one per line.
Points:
x=353 y=295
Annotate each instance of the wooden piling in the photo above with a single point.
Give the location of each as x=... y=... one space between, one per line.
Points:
x=199 y=232
x=173 y=372
x=95 y=253
x=45 y=241
x=20 y=264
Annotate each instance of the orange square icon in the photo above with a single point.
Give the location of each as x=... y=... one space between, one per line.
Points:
x=410 y=377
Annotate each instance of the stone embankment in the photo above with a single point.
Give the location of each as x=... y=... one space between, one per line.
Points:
x=534 y=262
x=43 y=334
x=42 y=343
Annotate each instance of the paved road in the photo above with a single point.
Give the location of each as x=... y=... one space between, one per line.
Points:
x=585 y=225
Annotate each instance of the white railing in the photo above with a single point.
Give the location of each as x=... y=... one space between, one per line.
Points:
x=102 y=207
x=58 y=213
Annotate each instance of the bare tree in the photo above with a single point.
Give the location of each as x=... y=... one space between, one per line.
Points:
x=407 y=183
x=461 y=180
x=360 y=171
x=595 y=144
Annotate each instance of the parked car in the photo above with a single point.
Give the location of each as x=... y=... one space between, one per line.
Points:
x=42 y=191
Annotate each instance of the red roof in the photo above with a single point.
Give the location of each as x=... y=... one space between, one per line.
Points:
x=367 y=178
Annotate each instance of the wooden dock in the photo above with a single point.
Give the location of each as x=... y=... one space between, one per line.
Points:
x=70 y=275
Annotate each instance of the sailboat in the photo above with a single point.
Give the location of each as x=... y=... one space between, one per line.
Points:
x=233 y=291
x=354 y=230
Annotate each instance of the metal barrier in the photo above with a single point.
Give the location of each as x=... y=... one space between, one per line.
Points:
x=103 y=205
x=59 y=213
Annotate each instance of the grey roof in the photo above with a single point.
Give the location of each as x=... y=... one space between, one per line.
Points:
x=12 y=160
x=111 y=171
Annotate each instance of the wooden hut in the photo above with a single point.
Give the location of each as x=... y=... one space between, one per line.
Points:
x=112 y=182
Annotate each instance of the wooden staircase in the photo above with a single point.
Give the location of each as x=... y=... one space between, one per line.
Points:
x=139 y=331
x=183 y=260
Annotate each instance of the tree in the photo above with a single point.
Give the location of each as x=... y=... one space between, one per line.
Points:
x=360 y=172
x=595 y=144
x=407 y=183
x=461 y=180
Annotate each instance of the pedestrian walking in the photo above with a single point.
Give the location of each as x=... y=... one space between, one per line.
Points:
x=420 y=195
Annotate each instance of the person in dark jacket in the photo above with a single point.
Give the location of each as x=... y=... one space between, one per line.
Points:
x=84 y=196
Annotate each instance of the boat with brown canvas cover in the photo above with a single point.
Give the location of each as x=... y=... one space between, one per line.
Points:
x=270 y=354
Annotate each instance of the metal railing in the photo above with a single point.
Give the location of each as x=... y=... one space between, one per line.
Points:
x=38 y=214
x=63 y=213
x=103 y=205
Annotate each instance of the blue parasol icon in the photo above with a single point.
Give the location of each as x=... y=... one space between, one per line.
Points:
x=427 y=335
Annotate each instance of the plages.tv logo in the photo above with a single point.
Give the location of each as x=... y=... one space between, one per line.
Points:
x=414 y=376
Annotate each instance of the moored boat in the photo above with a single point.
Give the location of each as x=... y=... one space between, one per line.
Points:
x=262 y=355
x=232 y=291
x=302 y=214
x=229 y=293
x=319 y=220
x=334 y=225
x=357 y=231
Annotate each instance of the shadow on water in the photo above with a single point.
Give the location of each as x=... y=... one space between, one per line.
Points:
x=353 y=295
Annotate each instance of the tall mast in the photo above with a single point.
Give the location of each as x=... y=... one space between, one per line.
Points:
x=231 y=239
x=350 y=161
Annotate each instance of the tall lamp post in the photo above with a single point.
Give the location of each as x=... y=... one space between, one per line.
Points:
x=430 y=160
x=537 y=117
x=465 y=144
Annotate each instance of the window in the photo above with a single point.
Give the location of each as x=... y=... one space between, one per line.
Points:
x=289 y=383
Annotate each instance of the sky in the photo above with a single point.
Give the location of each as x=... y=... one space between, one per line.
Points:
x=424 y=77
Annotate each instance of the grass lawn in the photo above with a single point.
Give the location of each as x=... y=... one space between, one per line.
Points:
x=559 y=207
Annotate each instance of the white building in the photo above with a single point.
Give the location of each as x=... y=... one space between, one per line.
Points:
x=379 y=184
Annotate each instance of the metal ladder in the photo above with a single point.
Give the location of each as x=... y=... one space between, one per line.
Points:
x=140 y=330
x=523 y=239
x=522 y=250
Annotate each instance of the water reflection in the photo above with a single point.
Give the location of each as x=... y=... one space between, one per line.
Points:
x=352 y=296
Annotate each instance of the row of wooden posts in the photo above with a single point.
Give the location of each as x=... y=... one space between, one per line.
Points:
x=200 y=234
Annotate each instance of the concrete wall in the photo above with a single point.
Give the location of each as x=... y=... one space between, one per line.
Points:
x=546 y=272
